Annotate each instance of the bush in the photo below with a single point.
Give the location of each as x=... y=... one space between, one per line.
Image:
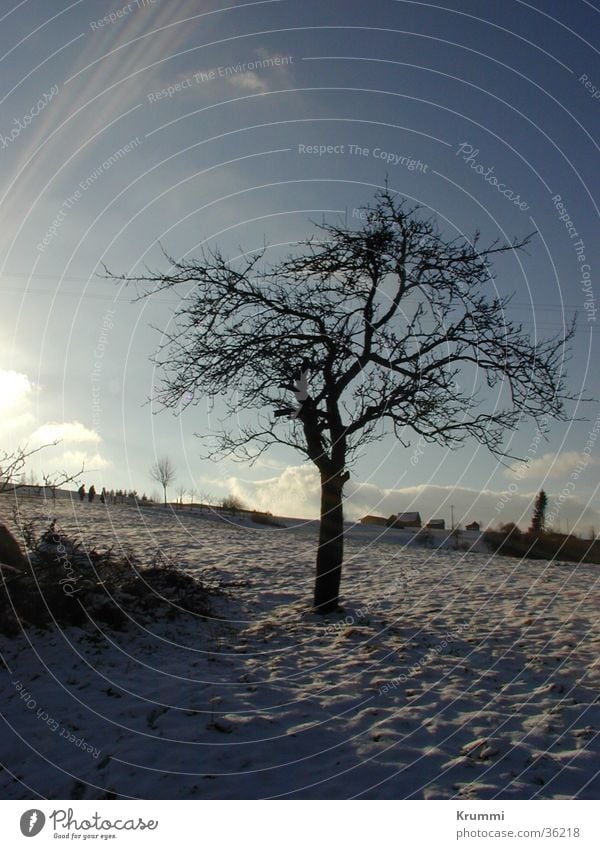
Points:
x=70 y=584
x=265 y=519
x=510 y=529
x=232 y=504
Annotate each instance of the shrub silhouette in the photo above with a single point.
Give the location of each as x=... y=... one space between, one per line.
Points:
x=68 y=583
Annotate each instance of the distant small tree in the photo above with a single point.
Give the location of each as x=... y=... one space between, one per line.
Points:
x=50 y=483
x=538 y=520
x=205 y=499
x=163 y=471
x=181 y=491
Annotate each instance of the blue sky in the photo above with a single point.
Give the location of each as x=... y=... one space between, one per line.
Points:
x=123 y=126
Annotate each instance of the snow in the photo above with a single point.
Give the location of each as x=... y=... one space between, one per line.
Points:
x=449 y=674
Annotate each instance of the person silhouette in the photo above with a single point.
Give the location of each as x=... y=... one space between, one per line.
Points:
x=81 y=492
x=92 y=493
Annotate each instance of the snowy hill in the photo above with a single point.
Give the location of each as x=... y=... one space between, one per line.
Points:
x=449 y=674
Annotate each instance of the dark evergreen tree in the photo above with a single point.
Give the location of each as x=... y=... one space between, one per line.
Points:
x=538 y=520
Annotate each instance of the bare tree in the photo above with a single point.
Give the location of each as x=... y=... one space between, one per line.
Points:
x=391 y=327
x=205 y=499
x=181 y=491
x=163 y=471
x=13 y=475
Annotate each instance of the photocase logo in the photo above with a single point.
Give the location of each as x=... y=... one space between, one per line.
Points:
x=32 y=822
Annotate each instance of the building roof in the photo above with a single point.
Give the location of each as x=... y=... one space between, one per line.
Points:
x=408 y=517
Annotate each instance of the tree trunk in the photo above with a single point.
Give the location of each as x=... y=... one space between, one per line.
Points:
x=330 y=554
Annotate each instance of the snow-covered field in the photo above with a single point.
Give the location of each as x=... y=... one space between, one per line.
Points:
x=449 y=675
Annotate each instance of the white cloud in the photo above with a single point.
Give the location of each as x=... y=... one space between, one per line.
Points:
x=436 y=502
x=295 y=492
x=249 y=81
x=17 y=422
x=65 y=432
x=54 y=461
x=550 y=466
x=15 y=389
x=267 y=77
x=16 y=402
x=295 y=489
x=74 y=460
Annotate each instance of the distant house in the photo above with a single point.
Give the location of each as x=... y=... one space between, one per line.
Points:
x=474 y=526
x=405 y=520
x=373 y=520
x=436 y=525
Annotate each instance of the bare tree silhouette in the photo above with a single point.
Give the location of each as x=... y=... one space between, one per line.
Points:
x=13 y=464
x=164 y=472
x=391 y=327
